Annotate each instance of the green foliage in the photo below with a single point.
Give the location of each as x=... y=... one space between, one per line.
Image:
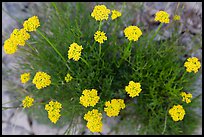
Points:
x=156 y=65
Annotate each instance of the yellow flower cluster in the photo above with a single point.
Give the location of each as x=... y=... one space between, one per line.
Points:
x=186 y=97
x=176 y=17
x=133 y=89
x=27 y=102
x=115 y=14
x=41 y=80
x=31 y=24
x=74 y=51
x=94 y=120
x=113 y=108
x=132 y=33
x=100 y=13
x=162 y=17
x=192 y=64
x=177 y=112
x=25 y=77
x=100 y=36
x=68 y=77
x=53 y=109
x=9 y=46
x=19 y=36
x=89 y=98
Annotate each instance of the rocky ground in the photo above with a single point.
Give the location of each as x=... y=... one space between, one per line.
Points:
x=16 y=121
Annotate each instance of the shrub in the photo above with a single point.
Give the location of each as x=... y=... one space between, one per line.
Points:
x=81 y=61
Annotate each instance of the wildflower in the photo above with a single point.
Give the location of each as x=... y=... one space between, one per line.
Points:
x=176 y=17
x=89 y=98
x=133 y=89
x=115 y=14
x=41 y=80
x=94 y=120
x=9 y=46
x=177 y=112
x=132 y=33
x=113 y=108
x=25 y=77
x=192 y=64
x=100 y=13
x=27 y=102
x=186 y=97
x=100 y=36
x=53 y=109
x=74 y=51
x=31 y=24
x=162 y=17
x=20 y=36
x=68 y=77
x=17 y=37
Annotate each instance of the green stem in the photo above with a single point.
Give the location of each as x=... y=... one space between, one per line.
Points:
x=37 y=103
x=126 y=52
x=160 y=25
x=5 y=108
x=129 y=49
x=53 y=47
x=93 y=46
x=54 y=5
x=123 y=6
x=55 y=84
x=165 y=122
x=31 y=47
x=84 y=61
x=99 y=28
x=69 y=127
x=100 y=24
x=183 y=75
x=177 y=7
x=99 y=50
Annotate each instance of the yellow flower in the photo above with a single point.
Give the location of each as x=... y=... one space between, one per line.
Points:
x=17 y=37
x=115 y=14
x=132 y=33
x=100 y=13
x=176 y=17
x=74 y=51
x=89 y=98
x=20 y=36
x=162 y=17
x=186 y=97
x=31 y=24
x=133 y=89
x=41 y=80
x=9 y=46
x=177 y=112
x=27 y=102
x=68 y=77
x=113 y=108
x=100 y=36
x=25 y=77
x=53 y=109
x=192 y=64
x=54 y=116
x=94 y=120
